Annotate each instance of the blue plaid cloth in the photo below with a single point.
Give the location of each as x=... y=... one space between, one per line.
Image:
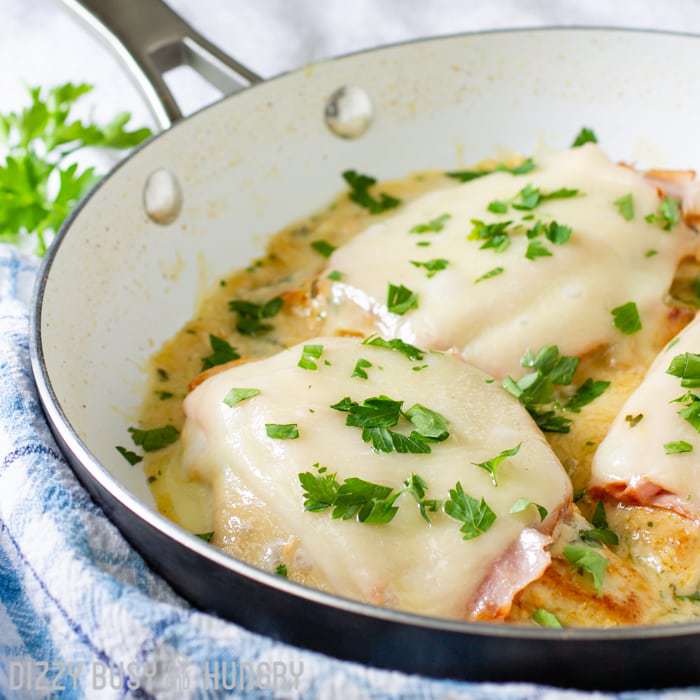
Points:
x=81 y=615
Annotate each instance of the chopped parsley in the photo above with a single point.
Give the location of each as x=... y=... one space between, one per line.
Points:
x=692 y=597
x=323 y=248
x=544 y=618
x=359 y=193
x=491 y=465
x=527 y=166
x=433 y=226
x=131 y=457
x=400 y=299
x=651 y=253
x=282 y=431
x=535 y=390
x=633 y=420
x=498 y=206
x=625 y=205
x=432 y=267
x=423 y=244
x=162 y=374
x=686 y=366
x=667 y=215
x=557 y=233
x=360 y=368
x=410 y=351
x=206 y=536
x=417 y=487
x=476 y=516
x=237 y=395
x=222 y=352
x=531 y=197
x=309 y=355
x=691 y=412
x=419 y=368
x=494 y=272
x=522 y=504
x=355 y=498
x=494 y=235
x=535 y=249
x=335 y=276
x=155 y=438
x=586 y=135
x=376 y=415
x=251 y=316
x=600 y=533
x=589 y=560
x=587 y=392
x=626 y=318
x=281 y=570
x=678 y=447
x=164 y=395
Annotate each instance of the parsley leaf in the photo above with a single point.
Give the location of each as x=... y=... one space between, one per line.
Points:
x=626 y=318
x=222 y=352
x=323 y=248
x=678 y=447
x=359 y=193
x=625 y=205
x=237 y=395
x=476 y=516
x=589 y=560
x=38 y=187
x=131 y=457
x=206 y=536
x=535 y=249
x=281 y=570
x=544 y=618
x=335 y=275
x=410 y=351
x=691 y=412
x=686 y=366
x=491 y=465
x=156 y=438
x=494 y=235
x=601 y=532
x=309 y=355
x=522 y=504
x=586 y=135
x=557 y=233
x=535 y=390
x=667 y=215
x=401 y=299
x=531 y=197
x=428 y=423
x=360 y=366
x=491 y=273
x=251 y=316
x=282 y=431
x=634 y=420
x=417 y=487
x=355 y=498
x=527 y=166
x=433 y=266
x=433 y=226
x=498 y=206
x=587 y=392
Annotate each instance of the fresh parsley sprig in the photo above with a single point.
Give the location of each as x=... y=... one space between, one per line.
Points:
x=39 y=185
x=359 y=193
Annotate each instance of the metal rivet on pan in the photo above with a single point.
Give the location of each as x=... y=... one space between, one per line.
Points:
x=348 y=112
x=162 y=197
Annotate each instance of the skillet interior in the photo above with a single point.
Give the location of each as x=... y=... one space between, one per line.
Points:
x=116 y=285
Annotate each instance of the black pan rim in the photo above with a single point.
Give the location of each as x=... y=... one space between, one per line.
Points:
x=60 y=424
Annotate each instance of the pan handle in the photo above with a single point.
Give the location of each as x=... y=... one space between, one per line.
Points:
x=151 y=39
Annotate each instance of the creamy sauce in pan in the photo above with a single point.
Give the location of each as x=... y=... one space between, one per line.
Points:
x=659 y=552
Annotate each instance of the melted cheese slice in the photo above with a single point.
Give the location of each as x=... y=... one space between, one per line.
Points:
x=406 y=563
x=631 y=463
x=565 y=299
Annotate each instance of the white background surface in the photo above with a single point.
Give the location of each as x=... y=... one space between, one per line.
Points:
x=41 y=44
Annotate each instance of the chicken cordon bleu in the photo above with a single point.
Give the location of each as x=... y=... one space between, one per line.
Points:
x=468 y=394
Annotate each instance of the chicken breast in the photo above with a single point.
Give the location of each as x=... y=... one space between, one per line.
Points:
x=385 y=474
x=507 y=262
x=649 y=456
